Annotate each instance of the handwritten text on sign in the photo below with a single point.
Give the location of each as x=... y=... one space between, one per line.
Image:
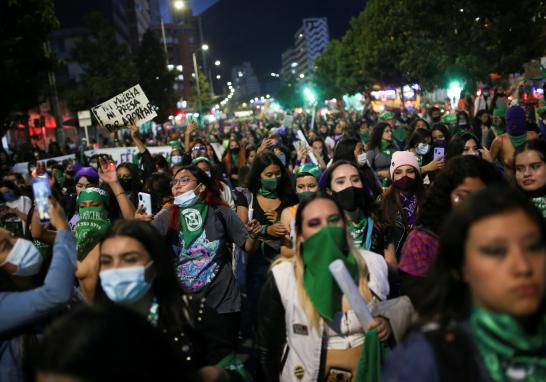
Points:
x=130 y=107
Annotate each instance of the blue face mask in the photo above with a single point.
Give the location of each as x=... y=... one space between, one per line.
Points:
x=125 y=285
x=176 y=159
x=422 y=148
x=9 y=196
x=187 y=199
x=282 y=158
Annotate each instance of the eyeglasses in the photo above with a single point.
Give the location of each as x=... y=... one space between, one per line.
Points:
x=199 y=148
x=182 y=181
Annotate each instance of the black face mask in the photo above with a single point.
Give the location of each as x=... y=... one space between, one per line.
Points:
x=70 y=173
x=405 y=183
x=126 y=183
x=350 y=198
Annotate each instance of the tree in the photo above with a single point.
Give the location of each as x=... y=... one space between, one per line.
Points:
x=24 y=26
x=155 y=78
x=206 y=100
x=107 y=65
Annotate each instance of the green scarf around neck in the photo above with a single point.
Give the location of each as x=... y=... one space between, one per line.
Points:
x=499 y=130
x=319 y=250
x=192 y=222
x=517 y=140
x=386 y=148
x=92 y=225
x=506 y=348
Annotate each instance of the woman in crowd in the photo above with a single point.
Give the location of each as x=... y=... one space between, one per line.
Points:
x=505 y=145
x=130 y=179
x=307 y=178
x=352 y=150
x=200 y=229
x=25 y=300
x=420 y=144
x=17 y=206
x=530 y=166
x=482 y=128
x=306 y=327
x=136 y=271
x=485 y=299
x=466 y=144
x=321 y=152
x=380 y=150
x=225 y=192
x=345 y=183
x=401 y=203
x=158 y=185
x=233 y=159
x=269 y=192
x=462 y=176
x=250 y=153
x=440 y=135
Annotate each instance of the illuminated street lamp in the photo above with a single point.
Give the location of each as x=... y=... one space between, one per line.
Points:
x=179 y=5
x=205 y=47
x=217 y=62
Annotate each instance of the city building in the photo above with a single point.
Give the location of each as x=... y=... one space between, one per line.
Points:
x=244 y=81
x=309 y=42
x=138 y=20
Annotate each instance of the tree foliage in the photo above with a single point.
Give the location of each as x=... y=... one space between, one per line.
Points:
x=289 y=94
x=24 y=26
x=405 y=41
x=206 y=98
x=156 y=80
x=106 y=63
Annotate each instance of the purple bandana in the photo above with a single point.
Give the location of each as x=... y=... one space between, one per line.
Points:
x=409 y=207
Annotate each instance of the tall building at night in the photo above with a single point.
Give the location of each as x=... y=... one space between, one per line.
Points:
x=245 y=81
x=309 y=42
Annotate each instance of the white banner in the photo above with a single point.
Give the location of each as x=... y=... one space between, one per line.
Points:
x=22 y=167
x=131 y=106
x=125 y=154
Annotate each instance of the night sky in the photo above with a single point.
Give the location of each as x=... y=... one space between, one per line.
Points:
x=259 y=31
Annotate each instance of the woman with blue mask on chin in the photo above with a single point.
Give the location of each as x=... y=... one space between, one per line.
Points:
x=200 y=228
x=24 y=300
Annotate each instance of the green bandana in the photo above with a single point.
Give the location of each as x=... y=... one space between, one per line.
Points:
x=305 y=195
x=358 y=232
x=518 y=140
x=506 y=348
x=400 y=133
x=269 y=188
x=192 y=222
x=365 y=137
x=92 y=225
x=319 y=251
x=371 y=358
x=386 y=148
x=93 y=193
x=540 y=203
x=235 y=157
x=309 y=168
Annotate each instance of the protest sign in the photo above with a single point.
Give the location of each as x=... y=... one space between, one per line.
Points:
x=130 y=107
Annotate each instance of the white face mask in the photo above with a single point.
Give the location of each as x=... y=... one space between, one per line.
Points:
x=176 y=159
x=26 y=257
x=187 y=199
x=125 y=284
x=362 y=159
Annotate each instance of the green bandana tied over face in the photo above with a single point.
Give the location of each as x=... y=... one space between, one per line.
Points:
x=507 y=349
x=319 y=251
x=305 y=195
x=192 y=222
x=269 y=188
x=92 y=225
x=386 y=148
x=365 y=137
x=517 y=140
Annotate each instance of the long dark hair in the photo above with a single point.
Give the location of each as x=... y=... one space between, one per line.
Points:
x=437 y=202
x=267 y=158
x=376 y=135
x=165 y=286
x=537 y=145
x=345 y=150
x=391 y=206
x=447 y=295
x=325 y=155
x=418 y=136
x=457 y=142
x=440 y=126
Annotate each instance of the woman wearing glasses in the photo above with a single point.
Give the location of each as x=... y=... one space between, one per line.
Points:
x=200 y=228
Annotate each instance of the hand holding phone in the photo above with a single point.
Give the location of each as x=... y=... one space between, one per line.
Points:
x=439 y=154
x=42 y=192
x=145 y=200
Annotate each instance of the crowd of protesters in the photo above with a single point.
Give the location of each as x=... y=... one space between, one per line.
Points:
x=437 y=216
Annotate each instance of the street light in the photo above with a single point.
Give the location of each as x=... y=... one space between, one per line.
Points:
x=218 y=76
x=205 y=47
x=217 y=62
x=179 y=4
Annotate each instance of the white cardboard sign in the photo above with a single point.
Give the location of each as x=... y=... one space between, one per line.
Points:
x=131 y=106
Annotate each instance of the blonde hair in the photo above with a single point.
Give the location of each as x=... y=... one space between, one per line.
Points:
x=297 y=260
